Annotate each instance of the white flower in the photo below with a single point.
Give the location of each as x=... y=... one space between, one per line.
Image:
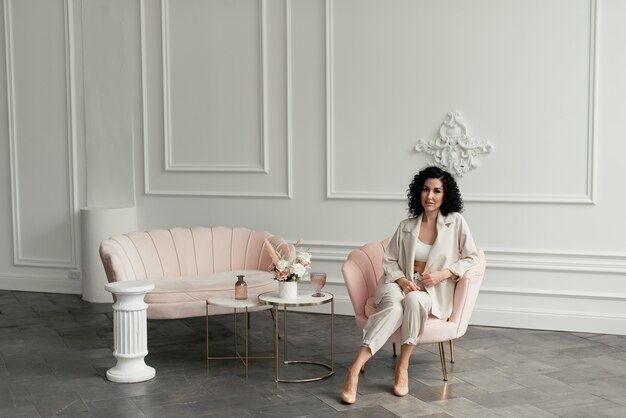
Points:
x=282 y=264
x=304 y=258
x=297 y=269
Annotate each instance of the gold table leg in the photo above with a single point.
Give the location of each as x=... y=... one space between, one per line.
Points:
x=332 y=336
x=275 y=318
x=206 y=323
x=330 y=367
x=245 y=359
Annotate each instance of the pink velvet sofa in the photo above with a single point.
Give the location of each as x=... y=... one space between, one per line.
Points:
x=188 y=265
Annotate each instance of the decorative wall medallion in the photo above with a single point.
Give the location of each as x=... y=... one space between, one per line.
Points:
x=453 y=151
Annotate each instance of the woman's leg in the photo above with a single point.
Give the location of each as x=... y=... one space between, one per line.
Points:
x=416 y=308
x=401 y=381
x=348 y=395
x=377 y=330
x=387 y=319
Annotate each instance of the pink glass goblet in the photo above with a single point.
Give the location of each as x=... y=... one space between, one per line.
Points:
x=318 y=280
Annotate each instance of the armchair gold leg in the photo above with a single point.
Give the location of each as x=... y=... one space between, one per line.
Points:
x=442 y=356
x=451 y=351
x=394 y=349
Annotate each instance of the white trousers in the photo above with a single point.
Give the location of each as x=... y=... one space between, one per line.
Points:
x=395 y=310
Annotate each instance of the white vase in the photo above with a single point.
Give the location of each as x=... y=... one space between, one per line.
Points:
x=288 y=290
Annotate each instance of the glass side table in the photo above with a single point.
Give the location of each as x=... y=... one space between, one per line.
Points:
x=304 y=299
x=238 y=306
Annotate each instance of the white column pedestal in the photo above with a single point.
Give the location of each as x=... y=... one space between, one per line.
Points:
x=130 y=331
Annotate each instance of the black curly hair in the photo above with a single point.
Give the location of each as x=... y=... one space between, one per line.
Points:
x=452 y=200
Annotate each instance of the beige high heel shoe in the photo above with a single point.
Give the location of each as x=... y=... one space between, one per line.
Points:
x=349 y=397
x=401 y=390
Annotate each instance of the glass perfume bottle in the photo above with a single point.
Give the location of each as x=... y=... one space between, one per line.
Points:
x=241 y=288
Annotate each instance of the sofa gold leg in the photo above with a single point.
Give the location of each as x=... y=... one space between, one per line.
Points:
x=451 y=351
x=442 y=356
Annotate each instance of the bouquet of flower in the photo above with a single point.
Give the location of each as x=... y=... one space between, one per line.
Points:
x=288 y=270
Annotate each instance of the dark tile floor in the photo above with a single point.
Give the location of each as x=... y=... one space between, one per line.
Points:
x=55 y=351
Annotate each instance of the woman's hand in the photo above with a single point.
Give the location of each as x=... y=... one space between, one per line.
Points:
x=406 y=285
x=433 y=278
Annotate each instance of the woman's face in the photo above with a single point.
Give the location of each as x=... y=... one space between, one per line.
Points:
x=432 y=195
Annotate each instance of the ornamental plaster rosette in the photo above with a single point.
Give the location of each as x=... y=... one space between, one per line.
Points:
x=453 y=150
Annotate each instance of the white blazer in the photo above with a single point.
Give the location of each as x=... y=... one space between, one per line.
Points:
x=454 y=249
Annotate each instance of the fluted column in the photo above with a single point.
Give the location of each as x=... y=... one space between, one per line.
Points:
x=130 y=331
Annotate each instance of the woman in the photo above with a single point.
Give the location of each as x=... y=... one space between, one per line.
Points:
x=427 y=254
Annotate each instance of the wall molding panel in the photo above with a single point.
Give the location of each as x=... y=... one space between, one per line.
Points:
x=563 y=261
x=170 y=164
x=15 y=144
x=333 y=160
x=504 y=259
x=270 y=176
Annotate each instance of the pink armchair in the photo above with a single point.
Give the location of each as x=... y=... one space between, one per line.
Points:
x=361 y=272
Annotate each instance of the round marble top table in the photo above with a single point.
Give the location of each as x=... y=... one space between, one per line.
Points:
x=304 y=298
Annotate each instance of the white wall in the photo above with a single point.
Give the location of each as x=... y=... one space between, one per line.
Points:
x=40 y=143
x=300 y=117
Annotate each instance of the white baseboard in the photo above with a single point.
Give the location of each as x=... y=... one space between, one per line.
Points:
x=33 y=283
x=600 y=323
